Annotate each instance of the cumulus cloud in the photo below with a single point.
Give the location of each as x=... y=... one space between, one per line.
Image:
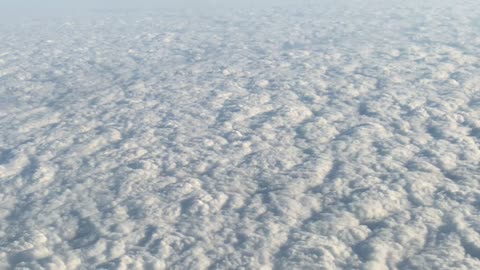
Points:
x=316 y=136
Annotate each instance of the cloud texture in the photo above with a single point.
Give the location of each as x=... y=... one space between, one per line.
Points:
x=321 y=136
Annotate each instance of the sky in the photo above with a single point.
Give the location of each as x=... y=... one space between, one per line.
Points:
x=13 y=10
x=88 y=4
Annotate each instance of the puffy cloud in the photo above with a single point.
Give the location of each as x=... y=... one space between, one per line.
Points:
x=319 y=136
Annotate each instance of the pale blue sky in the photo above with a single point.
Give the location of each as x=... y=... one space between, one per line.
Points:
x=12 y=10
x=91 y=4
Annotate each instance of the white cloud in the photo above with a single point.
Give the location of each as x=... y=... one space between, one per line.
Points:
x=334 y=135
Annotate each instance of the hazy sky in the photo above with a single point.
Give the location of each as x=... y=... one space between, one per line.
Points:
x=12 y=11
x=86 y=4
x=92 y=4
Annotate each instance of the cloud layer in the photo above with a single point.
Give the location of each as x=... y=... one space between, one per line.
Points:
x=324 y=136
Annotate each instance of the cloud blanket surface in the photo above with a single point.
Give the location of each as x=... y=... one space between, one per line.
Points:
x=317 y=136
